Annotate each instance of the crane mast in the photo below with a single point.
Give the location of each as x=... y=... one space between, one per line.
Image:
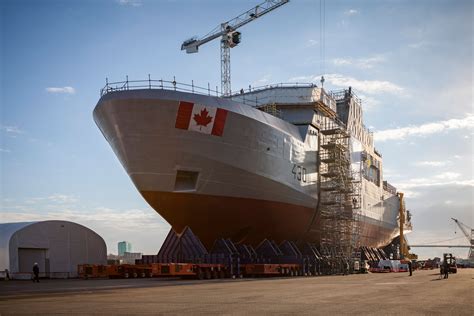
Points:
x=227 y=31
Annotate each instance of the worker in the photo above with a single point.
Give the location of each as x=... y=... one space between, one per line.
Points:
x=446 y=268
x=410 y=268
x=36 y=272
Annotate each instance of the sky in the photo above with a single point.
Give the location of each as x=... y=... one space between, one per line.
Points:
x=411 y=63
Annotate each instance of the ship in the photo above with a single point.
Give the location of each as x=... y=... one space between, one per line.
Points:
x=248 y=166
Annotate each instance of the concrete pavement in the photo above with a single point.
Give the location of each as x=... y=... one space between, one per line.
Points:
x=370 y=294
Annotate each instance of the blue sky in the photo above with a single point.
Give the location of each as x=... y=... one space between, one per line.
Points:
x=410 y=62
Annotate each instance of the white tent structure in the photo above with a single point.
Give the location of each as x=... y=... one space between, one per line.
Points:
x=57 y=246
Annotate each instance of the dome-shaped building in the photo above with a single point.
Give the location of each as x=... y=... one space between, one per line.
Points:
x=57 y=246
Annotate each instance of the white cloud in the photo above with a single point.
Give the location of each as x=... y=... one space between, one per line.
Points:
x=262 y=81
x=129 y=219
x=433 y=163
x=342 y=61
x=367 y=86
x=304 y=79
x=55 y=198
x=368 y=103
x=312 y=43
x=454 y=97
x=409 y=193
x=66 y=207
x=413 y=188
x=417 y=45
x=4 y=150
x=62 y=198
x=13 y=130
x=443 y=179
x=390 y=173
x=134 y=217
x=66 y=90
x=133 y=3
x=447 y=176
x=361 y=63
x=351 y=12
x=425 y=129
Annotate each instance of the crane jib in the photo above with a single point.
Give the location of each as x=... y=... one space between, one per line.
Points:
x=230 y=38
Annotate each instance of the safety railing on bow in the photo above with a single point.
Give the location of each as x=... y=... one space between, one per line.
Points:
x=157 y=84
x=241 y=96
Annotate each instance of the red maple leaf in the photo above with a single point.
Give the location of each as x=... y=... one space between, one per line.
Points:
x=202 y=118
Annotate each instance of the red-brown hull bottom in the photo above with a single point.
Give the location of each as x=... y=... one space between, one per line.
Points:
x=244 y=220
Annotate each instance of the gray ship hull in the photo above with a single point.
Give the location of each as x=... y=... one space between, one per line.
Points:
x=240 y=185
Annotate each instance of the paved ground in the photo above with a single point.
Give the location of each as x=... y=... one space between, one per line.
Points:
x=378 y=294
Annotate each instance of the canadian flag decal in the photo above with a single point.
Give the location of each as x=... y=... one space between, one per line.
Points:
x=201 y=118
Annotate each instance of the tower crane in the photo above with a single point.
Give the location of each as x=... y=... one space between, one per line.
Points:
x=230 y=38
x=470 y=237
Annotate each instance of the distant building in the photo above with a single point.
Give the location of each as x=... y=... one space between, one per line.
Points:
x=57 y=246
x=123 y=247
x=130 y=257
x=127 y=258
x=113 y=259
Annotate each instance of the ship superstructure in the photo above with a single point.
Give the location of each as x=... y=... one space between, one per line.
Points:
x=355 y=205
x=284 y=162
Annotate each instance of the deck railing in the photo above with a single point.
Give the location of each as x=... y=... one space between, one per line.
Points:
x=241 y=95
x=157 y=84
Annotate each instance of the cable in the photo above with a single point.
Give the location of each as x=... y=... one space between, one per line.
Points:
x=439 y=241
x=322 y=36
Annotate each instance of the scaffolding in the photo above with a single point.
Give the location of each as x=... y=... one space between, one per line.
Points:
x=271 y=109
x=340 y=199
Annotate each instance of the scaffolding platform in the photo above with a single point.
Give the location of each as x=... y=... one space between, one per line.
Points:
x=339 y=207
